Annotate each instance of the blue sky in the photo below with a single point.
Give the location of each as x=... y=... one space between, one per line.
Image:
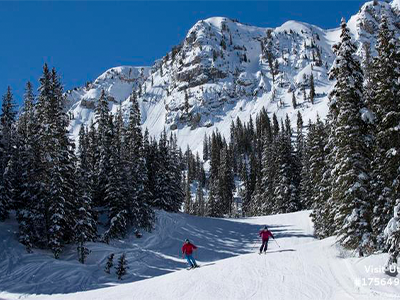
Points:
x=83 y=39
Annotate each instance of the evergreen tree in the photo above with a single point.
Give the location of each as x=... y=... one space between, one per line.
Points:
x=350 y=173
x=392 y=235
x=109 y=264
x=205 y=148
x=122 y=267
x=24 y=204
x=285 y=189
x=312 y=88
x=200 y=204
x=7 y=141
x=294 y=101
x=103 y=145
x=116 y=189
x=85 y=228
x=168 y=194
x=140 y=213
x=214 y=201
x=188 y=205
x=225 y=181
x=316 y=153
x=386 y=106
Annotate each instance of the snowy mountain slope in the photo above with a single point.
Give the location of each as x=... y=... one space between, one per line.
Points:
x=302 y=268
x=224 y=69
x=118 y=84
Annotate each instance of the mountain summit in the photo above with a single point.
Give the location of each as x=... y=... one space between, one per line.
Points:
x=224 y=69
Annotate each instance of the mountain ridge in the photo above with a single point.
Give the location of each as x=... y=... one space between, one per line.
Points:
x=224 y=69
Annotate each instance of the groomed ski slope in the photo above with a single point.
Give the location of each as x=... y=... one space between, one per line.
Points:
x=302 y=268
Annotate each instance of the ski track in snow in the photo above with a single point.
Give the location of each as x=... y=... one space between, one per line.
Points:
x=302 y=268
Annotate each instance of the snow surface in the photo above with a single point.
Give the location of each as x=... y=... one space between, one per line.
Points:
x=302 y=268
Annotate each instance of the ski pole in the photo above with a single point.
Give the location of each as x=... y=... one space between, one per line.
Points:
x=277 y=243
x=254 y=245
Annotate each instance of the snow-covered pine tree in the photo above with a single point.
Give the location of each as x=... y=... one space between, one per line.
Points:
x=265 y=185
x=225 y=181
x=350 y=173
x=205 y=148
x=116 y=193
x=284 y=187
x=166 y=172
x=312 y=88
x=25 y=204
x=294 y=101
x=392 y=235
x=303 y=163
x=385 y=103
x=175 y=168
x=200 y=204
x=103 y=146
x=92 y=157
x=7 y=141
x=122 y=267
x=62 y=196
x=214 y=201
x=316 y=152
x=140 y=213
x=86 y=227
x=306 y=190
x=188 y=204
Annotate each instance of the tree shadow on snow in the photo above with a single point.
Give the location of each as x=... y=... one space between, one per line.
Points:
x=154 y=254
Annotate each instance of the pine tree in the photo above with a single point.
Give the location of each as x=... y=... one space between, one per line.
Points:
x=200 y=204
x=103 y=144
x=316 y=153
x=7 y=120
x=188 y=205
x=168 y=193
x=140 y=213
x=24 y=205
x=122 y=267
x=116 y=190
x=392 y=235
x=349 y=192
x=85 y=228
x=214 y=201
x=109 y=264
x=306 y=190
x=225 y=181
x=61 y=162
x=285 y=189
x=386 y=106
x=312 y=88
x=262 y=197
x=294 y=101
x=205 y=148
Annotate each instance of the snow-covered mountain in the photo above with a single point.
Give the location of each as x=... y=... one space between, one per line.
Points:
x=224 y=69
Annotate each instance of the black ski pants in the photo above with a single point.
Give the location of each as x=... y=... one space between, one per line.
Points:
x=264 y=245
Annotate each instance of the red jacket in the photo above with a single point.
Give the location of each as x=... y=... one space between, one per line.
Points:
x=265 y=234
x=188 y=248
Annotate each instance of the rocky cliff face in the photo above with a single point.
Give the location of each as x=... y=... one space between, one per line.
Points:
x=224 y=69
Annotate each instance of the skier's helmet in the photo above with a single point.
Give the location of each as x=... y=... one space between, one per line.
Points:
x=187 y=241
x=265 y=227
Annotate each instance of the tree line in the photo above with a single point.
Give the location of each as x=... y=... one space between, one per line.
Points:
x=59 y=193
x=346 y=168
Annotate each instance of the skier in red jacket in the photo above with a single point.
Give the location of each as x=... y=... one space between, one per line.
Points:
x=187 y=250
x=265 y=234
